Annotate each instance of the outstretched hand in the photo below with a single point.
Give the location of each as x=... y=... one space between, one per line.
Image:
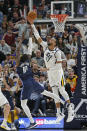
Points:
x=31 y=21
x=32 y=15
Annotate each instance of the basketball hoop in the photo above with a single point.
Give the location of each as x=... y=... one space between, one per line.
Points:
x=59 y=21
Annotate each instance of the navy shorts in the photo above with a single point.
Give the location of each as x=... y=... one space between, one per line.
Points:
x=9 y=98
x=30 y=86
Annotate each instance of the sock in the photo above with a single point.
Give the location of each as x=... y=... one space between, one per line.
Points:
x=4 y=121
x=58 y=111
x=27 y=110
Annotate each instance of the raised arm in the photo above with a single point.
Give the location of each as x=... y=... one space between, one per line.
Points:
x=36 y=34
x=30 y=44
x=18 y=52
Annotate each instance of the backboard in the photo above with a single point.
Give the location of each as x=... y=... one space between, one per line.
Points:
x=63 y=7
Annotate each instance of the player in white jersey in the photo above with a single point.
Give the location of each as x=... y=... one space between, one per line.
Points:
x=4 y=102
x=53 y=61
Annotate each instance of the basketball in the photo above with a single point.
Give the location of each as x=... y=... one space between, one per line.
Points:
x=32 y=15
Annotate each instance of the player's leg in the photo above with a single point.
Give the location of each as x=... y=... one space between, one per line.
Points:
x=6 y=113
x=12 y=120
x=66 y=97
x=10 y=100
x=59 y=114
x=27 y=112
x=55 y=91
x=4 y=102
x=52 y=95
x=53 y=81
x=58 y=100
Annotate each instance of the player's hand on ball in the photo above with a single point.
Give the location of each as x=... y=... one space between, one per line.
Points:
x=32 y=15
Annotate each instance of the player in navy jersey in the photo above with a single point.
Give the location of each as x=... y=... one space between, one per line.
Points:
x=30 y=86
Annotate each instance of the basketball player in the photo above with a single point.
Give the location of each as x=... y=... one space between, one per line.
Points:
x=53 y=61
x=4 y=102
x=30 y=86
x=8 y=95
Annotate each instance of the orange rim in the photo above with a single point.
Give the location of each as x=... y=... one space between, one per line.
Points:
x=60 y=17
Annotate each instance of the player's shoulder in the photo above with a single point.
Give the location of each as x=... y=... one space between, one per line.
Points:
x=57 y=50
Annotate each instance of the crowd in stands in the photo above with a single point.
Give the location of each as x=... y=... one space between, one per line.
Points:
x=15 y=28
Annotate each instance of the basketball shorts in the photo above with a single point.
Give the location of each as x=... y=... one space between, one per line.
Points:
x=56 y=78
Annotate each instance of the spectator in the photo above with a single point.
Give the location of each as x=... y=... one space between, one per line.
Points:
x=39 y=59
x=15 y=17
x=65 y=37
x=61 y=45
x=4 y=28
x=72 y=80
x=11 y=26
x=23 y=11
x=23 y=30
x=33 y=61
x=17 y=3
x=9 y=37
x=42 y=79
x=4 y=47
x=70 y=61
x=40 y=102
x=23 y=49
x=43 y=31
x=1 y=17
x=15 y=8
x=35 y=70
x=74 y=46
x=65 y=69
x=5 y=19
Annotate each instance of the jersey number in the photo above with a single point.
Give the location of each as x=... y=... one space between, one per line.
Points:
x=48 y=56
x=25 y=68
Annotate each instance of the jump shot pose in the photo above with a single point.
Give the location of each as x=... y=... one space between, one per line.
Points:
x=53 y=61
x=30 y=86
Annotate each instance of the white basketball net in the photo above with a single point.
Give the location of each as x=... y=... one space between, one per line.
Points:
x=59 y=22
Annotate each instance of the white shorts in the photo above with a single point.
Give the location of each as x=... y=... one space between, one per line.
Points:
x=3 y=99
x=56 y=78
x=57 y=82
